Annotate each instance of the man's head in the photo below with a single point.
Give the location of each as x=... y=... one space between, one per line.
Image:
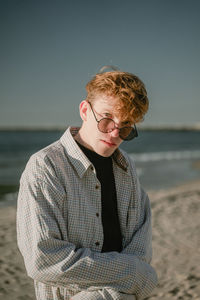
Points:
x=115 y=95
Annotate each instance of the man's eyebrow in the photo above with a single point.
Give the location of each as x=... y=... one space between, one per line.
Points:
x=107 y=111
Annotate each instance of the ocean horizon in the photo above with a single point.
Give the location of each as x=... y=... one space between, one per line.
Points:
x=176 y=127
x=163 y=158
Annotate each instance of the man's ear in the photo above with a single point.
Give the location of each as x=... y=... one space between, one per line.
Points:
x=83 y=109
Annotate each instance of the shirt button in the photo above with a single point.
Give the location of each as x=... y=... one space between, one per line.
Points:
x=97 y=187
x=97 y=214
x=97 y=243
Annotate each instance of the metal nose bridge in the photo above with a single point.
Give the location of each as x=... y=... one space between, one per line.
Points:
x=115 y=127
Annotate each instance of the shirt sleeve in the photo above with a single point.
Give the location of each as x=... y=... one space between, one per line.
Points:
x=51 y=258
x=139 y=236
x=108 y=294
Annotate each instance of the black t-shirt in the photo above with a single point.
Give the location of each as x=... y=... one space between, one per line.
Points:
x=110 y=219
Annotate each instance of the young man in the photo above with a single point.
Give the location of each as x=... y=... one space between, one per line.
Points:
x=83 y=220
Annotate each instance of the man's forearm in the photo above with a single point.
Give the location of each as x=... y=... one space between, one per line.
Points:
x=102 y=294
x=91 y=270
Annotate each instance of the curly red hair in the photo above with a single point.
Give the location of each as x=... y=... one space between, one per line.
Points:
x=130 y=91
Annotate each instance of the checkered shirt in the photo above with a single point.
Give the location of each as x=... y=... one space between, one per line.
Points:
x=60 y=232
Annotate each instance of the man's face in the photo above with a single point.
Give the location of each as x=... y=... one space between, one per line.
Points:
x=102 y=143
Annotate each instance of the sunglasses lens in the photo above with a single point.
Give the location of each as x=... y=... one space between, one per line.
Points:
x=128 y=133
x=106 y=125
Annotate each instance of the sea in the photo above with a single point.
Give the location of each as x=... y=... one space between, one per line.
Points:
x=163 y=158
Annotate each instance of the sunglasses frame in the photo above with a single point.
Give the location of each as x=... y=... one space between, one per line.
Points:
x=133 y=129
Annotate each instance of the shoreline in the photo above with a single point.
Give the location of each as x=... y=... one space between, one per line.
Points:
x=192 y=127
x=176 y=245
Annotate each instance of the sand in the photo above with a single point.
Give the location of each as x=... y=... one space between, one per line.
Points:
x=176 y=247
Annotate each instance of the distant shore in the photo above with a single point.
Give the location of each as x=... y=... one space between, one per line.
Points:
x=8 y=189
x=195 y=127
x=176 y=247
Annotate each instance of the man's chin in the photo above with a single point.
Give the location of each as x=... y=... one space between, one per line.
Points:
x=106 y=152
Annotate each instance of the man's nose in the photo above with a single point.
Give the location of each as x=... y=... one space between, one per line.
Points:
x=115 y=132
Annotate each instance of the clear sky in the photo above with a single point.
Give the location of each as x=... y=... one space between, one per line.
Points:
x=50 y=49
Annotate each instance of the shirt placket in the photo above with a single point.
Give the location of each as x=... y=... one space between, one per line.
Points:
x=96 y=199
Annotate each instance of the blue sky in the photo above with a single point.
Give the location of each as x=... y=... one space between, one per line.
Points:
x=51 y=49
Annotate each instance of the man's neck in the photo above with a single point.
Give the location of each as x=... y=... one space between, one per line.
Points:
x=79 y=137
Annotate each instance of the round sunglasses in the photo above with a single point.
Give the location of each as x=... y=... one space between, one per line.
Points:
x=107 y=125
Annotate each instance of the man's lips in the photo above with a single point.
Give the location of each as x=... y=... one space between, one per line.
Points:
x=109 y=143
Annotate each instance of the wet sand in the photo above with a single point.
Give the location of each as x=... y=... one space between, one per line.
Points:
x=176 y=247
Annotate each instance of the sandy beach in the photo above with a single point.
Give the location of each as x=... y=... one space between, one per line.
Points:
x=176 y=246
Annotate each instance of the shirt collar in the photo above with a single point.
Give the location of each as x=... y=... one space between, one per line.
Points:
x=79 y=159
